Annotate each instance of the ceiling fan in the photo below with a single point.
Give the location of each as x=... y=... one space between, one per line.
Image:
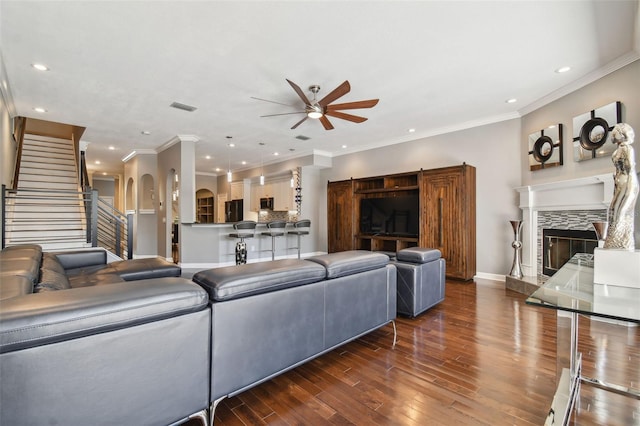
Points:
x=323 y=108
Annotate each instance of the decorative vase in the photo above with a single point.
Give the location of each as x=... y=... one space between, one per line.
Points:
x=601 y=231
x=516 y=269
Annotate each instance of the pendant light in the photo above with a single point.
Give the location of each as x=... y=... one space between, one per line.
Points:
x=261 y=166
x=229 y=175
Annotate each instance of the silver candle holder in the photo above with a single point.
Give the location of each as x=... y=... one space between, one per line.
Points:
x=516 y=268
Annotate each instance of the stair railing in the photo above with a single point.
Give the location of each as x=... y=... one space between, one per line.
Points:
x=31 y=211
x=20 y=124
x=113 y=229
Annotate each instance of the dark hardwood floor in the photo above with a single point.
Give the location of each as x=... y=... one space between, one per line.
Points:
x=482 y=357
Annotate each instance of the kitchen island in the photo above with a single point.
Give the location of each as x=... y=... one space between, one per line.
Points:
x=208 y=245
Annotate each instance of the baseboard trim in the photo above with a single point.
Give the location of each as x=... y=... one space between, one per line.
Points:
x=492 y=277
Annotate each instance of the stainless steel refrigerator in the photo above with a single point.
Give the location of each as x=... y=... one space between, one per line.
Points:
x=233 y=211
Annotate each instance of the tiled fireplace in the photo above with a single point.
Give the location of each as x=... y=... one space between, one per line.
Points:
x=569 y=205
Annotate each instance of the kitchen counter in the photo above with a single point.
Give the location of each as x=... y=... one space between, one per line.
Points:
x=208 y=245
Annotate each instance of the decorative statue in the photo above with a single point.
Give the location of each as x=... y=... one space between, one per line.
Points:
x=621 y=211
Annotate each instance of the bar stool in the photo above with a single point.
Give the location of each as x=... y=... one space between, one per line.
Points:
x=244 y=229
x=301 y=227
x=275 y=229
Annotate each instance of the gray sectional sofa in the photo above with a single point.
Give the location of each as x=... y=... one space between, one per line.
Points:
x=85 y=342
x=269 y=317
x=113 y=352
x=421 y=279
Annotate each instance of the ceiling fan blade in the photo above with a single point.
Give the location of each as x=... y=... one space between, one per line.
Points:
x=338 y=92
x=326 y=123
x=299 y=92
x=353 y=105
x=345 y=116
x=299 y=122
x=267 y=100
x=284 y=113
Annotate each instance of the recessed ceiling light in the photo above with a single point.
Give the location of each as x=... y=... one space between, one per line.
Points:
x=563 y=69
x=553 y=126
x=111 y=148
x=511 y=101
x=40 y=67
x=217 y=169
x=344 y=146
x=275 y=153
x=39 y=109
x=244 y=163
x=104 y=173
x=208 y=157
x=411 y=130
x=145 y=132
x=231 y=145
x=97 y=161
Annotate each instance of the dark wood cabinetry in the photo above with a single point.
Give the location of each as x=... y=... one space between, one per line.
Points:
x=446 y=214
x=449 y=211
x=340 y=213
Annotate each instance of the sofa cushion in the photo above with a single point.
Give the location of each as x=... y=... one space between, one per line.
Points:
x=14 y=286
x=51 y=280
x=24 y=267
x=418 y=255
x=140 y=269
x=89 y=280
x=50 y=261
x=350 y=262
x=55 y=316
x=232 y=282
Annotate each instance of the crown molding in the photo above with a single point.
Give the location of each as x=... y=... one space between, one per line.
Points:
x=174 y=140
x=5 y=91
x=137 y=152
x=589 y=78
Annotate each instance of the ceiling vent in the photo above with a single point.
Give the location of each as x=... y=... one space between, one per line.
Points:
x=183 y=107
x=303 y=138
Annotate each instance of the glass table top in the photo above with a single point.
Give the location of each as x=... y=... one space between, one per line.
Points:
x=572 y=289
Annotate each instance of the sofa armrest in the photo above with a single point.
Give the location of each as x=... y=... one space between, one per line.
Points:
x=81 y=258
x=44 y=318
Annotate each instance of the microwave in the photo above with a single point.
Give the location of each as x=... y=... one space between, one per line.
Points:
x=266 y=203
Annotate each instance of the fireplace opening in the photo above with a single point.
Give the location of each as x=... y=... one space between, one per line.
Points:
x=559 y=245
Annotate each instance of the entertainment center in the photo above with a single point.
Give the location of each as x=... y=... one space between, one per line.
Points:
x=427 y=208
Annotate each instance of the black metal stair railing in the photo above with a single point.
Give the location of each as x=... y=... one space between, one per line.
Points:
x=113 y=229
x=64 y=218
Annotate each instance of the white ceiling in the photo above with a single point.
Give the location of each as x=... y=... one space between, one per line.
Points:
x=436 y=66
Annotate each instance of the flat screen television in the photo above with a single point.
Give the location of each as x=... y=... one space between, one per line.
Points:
x=392 y=216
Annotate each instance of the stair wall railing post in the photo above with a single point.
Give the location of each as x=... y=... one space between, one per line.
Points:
x=94 y=218
x=130 y=236
x=118 y=239
x=4 y=213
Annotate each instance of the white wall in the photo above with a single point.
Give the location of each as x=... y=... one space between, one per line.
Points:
x=8 y=145
x=494 y=150
x=622 y=85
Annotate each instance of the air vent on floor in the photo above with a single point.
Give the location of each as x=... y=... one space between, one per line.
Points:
x=303 y=138
x=183 y=107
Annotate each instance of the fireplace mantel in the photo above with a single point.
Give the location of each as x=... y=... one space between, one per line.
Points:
x=588 y=193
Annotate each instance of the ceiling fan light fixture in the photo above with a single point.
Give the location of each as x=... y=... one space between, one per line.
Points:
x=314 y=111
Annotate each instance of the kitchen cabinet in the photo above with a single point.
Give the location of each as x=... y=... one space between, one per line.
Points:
x=237 y=190
x=283 y=196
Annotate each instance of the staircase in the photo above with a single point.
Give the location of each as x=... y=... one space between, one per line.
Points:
x=47 y=207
